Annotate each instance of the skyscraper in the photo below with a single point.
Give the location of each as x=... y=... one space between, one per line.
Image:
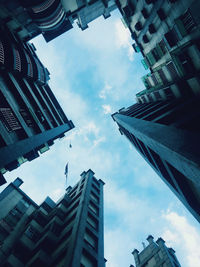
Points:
x=155 y=254
x=163 y=126
x=66 y=233
x=167 y=34
x=166 y=134
x=30 y=116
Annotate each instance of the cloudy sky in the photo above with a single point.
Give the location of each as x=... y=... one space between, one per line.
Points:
x=94 y=73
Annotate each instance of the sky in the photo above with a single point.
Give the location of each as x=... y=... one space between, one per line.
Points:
x=94 y=73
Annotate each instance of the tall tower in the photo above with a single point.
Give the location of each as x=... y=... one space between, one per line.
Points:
x=66 y=233
x=166 y=134
x=30 y=116
x=155 y=254
x=163 y=124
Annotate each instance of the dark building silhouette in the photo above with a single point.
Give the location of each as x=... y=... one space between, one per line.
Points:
x=66 y=233
x=155 y=254
x=51 y=18
x=164 y=124
x=30 y=116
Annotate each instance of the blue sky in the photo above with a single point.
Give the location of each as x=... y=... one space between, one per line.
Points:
x=94 y=73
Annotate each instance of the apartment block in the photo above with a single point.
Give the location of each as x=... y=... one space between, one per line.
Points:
x=163 y=125
x=68 y=232
x=167 y=33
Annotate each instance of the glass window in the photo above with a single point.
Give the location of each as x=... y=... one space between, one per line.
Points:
x=94 y=208
x=91 y=239
x=87 y=260
x=32 y=233
x=92 y=221
x=94 y=197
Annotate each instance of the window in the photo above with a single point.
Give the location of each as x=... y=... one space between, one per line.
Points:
x=32 y=233
x=90 y=239
x=87 y=260
x=22 y=205
x=161 y=14
x=92 y=221
x=93 y=208
x=155 y=54
x=162 y=46
x=145 y=13
x=13 y=217
x=171 y=37
x=172 y=70
x=151 y=59
x=94 y=197
x=40 y=218
x=96 y=182
x=96 y=189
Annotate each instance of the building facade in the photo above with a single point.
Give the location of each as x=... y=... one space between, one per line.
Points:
x=166 y=134
x=51 y=18
x=167 y=33
x=30 y=116
x=163 y=124
x=155 y=254
x=66 y=233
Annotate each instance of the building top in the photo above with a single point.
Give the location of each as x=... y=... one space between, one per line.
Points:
x=155 y=254
x=15 y=186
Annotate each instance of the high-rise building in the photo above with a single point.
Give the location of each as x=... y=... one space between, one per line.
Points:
x=155 y=254
x=166 y=134
x=51 y=18
x=30 y=116
x=66 y=233
x=163 y=126
x=167 y=34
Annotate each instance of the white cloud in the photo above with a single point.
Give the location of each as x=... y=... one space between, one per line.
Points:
x=107 y=109
x=99 y=140
x=123 y=38
x=182 y=234
x=103 y=93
